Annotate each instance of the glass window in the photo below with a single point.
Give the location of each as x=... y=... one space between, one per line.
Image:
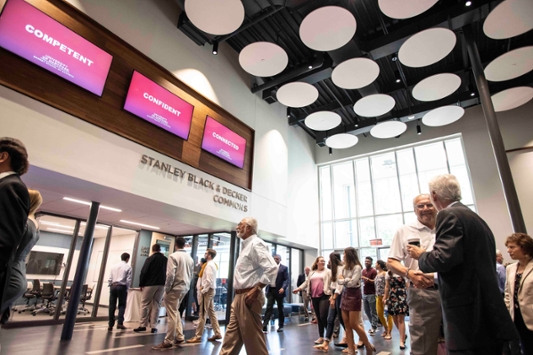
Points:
x=346 y=234
x=364 y=188
x=408 y=179
x=325 y=193
x=385 y=184
x=386 y=226
x=296 y=270
x=327 y=235
x=343 y=190
x=366 y=226
x=221 y=243
x=371 y=252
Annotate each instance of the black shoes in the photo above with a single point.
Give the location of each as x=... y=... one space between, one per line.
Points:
x=265 y=329
x=140 y=329
x=154 y=330
x=120 y=326
x=280 y=330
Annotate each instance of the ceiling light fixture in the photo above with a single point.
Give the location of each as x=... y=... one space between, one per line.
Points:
x=215 y=47
x=55 y=224
x=397 y=76
x=411 y=117
x=471 y=89
x=468 y=3
x=288 y=112
x=98 y=227
x=139 y=224
x=88 y=204
x=330 y=151
x=418 y=128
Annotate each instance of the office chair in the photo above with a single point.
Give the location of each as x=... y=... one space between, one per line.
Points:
x=86 y=294
x=34 y=293
x=48 y=295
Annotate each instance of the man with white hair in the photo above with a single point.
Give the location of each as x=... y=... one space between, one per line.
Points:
x=255 y=268
x=475 y=317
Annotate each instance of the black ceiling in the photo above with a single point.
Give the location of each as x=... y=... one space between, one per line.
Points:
x=378 y=37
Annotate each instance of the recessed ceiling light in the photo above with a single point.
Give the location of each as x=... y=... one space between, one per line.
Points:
x=411 y=117
x=88 y=204
x=139 y=224
x=55 y=224
x=468 y=3
x=99 y=227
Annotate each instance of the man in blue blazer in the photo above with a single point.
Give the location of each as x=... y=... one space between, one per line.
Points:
x=277 y=294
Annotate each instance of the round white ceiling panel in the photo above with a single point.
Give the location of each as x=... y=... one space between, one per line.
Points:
x=388 y=129
x=323 y=120
x=427 y=47
x=327 y=28
x=342 y=141
x=374 y=105
x=512 y=98
x=217 y=17
x=355 y=73
x=402 y=9
x=263 y=59
x=510 y=65
x=297 y=94
x=509 y=19
x=443 y=115
x=436 y=87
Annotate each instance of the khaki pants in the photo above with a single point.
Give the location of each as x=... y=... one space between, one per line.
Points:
x=207 y=308
x=175 y=328
x=245 y=328
x=151 y=299
x=425 y=314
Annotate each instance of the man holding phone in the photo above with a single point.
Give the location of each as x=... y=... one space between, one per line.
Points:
x=423 y=298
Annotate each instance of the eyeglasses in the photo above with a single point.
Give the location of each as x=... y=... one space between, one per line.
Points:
x=422 y=205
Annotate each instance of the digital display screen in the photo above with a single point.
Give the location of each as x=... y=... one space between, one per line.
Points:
x=38 y=38
x=223 y=142
x=157 y=105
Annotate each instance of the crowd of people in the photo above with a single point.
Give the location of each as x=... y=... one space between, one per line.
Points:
x=440 y=272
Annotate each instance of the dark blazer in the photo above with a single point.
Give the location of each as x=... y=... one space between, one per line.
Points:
x=464 y=252
x=14 y=207
x=282 y=280
x=154 y=271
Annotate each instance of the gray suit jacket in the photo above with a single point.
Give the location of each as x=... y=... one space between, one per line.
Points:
x=464 y=252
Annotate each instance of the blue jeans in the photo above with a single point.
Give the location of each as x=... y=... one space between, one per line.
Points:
x=333 y=313
x=369 y=302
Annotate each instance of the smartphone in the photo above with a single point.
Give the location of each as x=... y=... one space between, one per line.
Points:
x=414 y=242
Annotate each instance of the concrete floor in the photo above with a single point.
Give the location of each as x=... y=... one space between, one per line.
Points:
x=93 y=338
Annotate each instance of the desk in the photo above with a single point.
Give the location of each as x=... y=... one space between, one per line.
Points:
x=133 y=305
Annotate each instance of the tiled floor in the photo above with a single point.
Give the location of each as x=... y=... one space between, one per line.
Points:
x=93 y=338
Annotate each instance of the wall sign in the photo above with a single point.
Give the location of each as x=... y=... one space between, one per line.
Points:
x=36 y=37
x=221 y=194
x=157 y=105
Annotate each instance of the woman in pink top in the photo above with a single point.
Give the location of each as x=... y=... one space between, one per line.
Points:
x=317 y=284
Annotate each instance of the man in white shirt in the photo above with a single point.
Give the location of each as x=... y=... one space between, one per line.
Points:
x=206 y=293
x=255 y=268
x=178 y=281
x=423 y=298
x=119 y=283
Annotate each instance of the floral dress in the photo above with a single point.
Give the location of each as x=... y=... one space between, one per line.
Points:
x=397 y=301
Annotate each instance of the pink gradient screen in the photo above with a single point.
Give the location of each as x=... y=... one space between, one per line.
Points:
x=158 y=106
x=36 y=37
x=223 y=142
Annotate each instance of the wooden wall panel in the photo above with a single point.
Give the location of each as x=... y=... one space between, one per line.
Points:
x=107 y=111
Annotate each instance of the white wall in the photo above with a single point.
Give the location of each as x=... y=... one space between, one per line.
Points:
x=516 y=132
x=76 y=148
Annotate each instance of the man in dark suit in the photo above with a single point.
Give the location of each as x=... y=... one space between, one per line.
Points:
x=277 y=294
x=14 y=204
x=475 y=318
